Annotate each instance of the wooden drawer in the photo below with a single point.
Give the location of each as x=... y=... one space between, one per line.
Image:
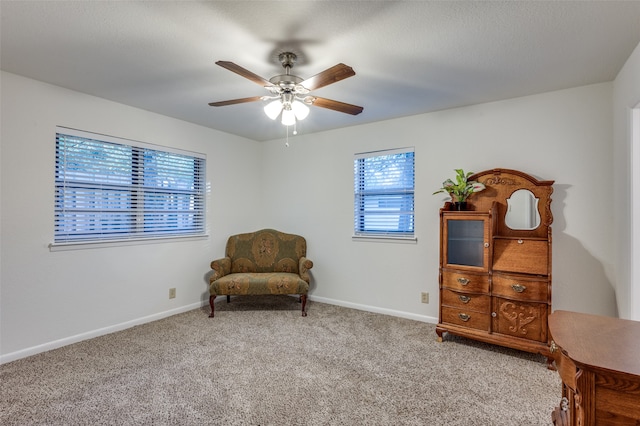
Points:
x=476 y=302
x=466 y=318
x=520 y=319
x=465 y=281
x=521 y=255
x=520 y=287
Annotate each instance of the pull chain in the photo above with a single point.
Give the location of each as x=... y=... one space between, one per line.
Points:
x=287 y=142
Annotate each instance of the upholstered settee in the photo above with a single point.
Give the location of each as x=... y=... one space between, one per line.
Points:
x=261 y=262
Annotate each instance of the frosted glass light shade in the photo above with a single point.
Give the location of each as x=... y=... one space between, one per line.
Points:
x=288 y=117
x=272 y=109
x=300 y=110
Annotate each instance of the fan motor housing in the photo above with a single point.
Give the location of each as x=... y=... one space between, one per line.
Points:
x=286 y=80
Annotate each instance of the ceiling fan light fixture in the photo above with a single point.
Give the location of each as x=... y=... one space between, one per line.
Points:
x=289 y=96
x=272 y=109
x=288 y=117
x=300 y=110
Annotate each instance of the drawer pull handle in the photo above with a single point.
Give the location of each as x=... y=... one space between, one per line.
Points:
x=553 y=347
x=463 y=281
x=464 y=299
x=464 y=317
x=520 y=242
x=518 y=288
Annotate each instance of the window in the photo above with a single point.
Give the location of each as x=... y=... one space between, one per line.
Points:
x=384 y=193
x=112 y=189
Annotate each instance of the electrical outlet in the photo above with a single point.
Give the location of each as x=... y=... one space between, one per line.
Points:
x=424 y=297
x=172 y=293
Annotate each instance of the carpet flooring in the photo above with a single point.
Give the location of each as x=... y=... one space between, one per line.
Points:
x=259 y=362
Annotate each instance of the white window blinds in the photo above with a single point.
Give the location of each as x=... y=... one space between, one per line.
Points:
x=110 y=189
x=384 y=184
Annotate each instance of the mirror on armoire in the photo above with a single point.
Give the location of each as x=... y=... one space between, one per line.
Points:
x=522 y=210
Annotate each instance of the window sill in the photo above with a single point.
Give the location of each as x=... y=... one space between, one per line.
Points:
x=384 y=239
x=83 y=245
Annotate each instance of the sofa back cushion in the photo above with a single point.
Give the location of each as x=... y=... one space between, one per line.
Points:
x=266 y=250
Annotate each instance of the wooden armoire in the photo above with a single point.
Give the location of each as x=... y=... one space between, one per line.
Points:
x=495 y=263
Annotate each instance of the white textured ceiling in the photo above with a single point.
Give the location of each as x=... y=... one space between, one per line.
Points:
x=410 y=57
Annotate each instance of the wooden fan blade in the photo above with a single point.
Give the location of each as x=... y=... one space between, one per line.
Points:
x=244 y=73
x=235 y=101
x=337 y=106
x=328 y=76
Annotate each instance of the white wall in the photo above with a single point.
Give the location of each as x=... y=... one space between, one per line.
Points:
x=626 y=95
x=563 y=136
x=48 y=299
x=52 y=298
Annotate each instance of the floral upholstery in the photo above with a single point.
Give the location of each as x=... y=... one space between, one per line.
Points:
x=262 y=262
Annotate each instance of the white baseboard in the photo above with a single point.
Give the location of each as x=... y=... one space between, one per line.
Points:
x=23 y=353
x=375 y=309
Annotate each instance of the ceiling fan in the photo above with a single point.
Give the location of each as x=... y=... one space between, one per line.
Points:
x=289 y=94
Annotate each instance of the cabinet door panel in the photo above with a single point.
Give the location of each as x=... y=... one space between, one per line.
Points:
x=520 y=287
x=518 y=255
x=465 y=241
x=470 y=301
x=519 y=319
x=466 y=318
x=616 y=399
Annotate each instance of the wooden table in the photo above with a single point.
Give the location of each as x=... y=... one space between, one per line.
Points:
x=598 y=359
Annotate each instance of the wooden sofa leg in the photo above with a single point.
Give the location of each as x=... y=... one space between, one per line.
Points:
x=303 y=299
x=211 y=299
x=228 y=298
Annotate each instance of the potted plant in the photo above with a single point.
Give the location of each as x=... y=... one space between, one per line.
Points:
x=461 y=189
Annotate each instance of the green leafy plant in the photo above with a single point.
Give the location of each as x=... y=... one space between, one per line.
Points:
x=462 y=188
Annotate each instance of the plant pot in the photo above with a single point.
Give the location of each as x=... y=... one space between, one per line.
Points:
x=458 y=206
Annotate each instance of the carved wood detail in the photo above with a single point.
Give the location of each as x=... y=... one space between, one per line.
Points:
x=518 y=316
x=579 y=413
x=501 y=183
x=497 y=180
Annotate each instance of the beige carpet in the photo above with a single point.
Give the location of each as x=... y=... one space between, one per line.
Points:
x=259 y=362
